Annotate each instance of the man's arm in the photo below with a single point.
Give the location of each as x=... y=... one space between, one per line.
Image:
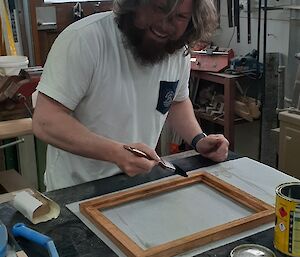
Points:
x=53 y=123
x=182 y=119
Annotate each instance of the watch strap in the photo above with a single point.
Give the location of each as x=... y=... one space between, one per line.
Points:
x=196 y=139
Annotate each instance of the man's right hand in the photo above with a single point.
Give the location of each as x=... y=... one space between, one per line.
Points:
x=132 y=164
x=52 y=123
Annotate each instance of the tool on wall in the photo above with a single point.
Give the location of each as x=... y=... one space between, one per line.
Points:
x=229 y=13
x=218 y=8
x=258 y=38
x=236 y=9
x=249 y=20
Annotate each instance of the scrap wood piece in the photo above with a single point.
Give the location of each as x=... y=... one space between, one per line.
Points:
x=15 y=128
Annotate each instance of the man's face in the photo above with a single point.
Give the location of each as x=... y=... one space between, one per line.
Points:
x=158 y=25
x=154 y=32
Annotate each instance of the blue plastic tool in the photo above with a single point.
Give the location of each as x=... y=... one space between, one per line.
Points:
x=3 y=240
x=20 y=230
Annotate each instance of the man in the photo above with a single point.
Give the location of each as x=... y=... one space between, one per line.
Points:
x=112 y=79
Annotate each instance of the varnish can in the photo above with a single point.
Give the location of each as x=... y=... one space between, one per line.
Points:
x=251 y=250
x=287 y=225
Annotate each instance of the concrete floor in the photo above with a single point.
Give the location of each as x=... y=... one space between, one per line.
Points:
x=247 y=139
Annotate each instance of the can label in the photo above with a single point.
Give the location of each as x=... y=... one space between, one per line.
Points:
x=287 y=227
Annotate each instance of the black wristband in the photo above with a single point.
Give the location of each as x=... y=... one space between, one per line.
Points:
x=196 y=139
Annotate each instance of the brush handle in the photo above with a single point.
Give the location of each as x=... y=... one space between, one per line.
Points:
x=137 y=152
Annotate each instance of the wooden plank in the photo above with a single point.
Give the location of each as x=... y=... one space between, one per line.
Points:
x=15 y=128
x=120 y=239
x=92 y=210
x=236 y=194
x=118 y=198
x=7 y=197
x=210 y=235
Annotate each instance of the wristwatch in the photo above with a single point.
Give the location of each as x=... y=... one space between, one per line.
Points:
x=196 y=139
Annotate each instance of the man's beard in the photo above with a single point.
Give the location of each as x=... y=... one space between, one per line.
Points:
x=146 y=50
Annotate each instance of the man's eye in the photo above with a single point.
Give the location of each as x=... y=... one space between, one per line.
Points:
x=182 y=17
x=160 y=8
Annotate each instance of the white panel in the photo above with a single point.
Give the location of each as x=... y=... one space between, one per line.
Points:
x=173 y=215
x=277 y=39
x=280 y=34
x=250 y=176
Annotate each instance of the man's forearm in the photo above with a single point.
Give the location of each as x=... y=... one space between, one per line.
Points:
x=182 y=119
x=60 y=129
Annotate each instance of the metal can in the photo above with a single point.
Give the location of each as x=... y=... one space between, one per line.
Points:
x=251 y=250
x=287 y=225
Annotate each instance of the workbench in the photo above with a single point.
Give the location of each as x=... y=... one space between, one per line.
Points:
x=72 y=238
x=228 y=82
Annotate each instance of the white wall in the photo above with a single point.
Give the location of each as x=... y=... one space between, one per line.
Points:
x=283 y=34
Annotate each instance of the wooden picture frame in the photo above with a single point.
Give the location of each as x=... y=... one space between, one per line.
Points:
x=262 y=213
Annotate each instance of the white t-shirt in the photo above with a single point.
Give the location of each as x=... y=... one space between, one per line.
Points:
x=89 y=71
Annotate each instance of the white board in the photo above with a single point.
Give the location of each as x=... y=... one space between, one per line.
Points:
x=248 y=175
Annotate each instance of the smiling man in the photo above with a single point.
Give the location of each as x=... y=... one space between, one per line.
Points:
x=114 y=78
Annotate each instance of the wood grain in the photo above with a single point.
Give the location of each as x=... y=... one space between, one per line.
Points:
x=15 y=128
x=263 y=213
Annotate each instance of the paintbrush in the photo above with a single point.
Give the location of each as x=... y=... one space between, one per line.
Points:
x=162 y=163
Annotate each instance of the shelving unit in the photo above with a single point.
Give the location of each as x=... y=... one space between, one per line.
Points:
x=228 y=82
x=215 y=118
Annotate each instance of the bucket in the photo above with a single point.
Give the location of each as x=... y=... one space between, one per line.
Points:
x=3 y=240
x=11 y=65
x=287 y=227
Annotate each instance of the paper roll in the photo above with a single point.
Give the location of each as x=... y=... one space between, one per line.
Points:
x=35 y=206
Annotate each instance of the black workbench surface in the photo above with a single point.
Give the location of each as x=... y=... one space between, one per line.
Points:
x=72 y=238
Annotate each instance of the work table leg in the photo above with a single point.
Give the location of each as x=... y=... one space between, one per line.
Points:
x=229 y=96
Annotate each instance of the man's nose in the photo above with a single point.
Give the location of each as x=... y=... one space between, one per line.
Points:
x=168 y=23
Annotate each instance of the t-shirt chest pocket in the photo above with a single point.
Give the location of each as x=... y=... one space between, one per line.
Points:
x=166 y=95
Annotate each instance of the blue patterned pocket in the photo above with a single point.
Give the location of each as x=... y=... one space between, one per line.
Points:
x=167 y=91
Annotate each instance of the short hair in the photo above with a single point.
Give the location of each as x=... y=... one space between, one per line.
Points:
x=201 y=27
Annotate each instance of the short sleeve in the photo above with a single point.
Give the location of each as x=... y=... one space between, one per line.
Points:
x=68 y=70
x=183 y=87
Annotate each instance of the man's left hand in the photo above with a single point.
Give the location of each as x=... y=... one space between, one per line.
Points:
x=214 y=147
